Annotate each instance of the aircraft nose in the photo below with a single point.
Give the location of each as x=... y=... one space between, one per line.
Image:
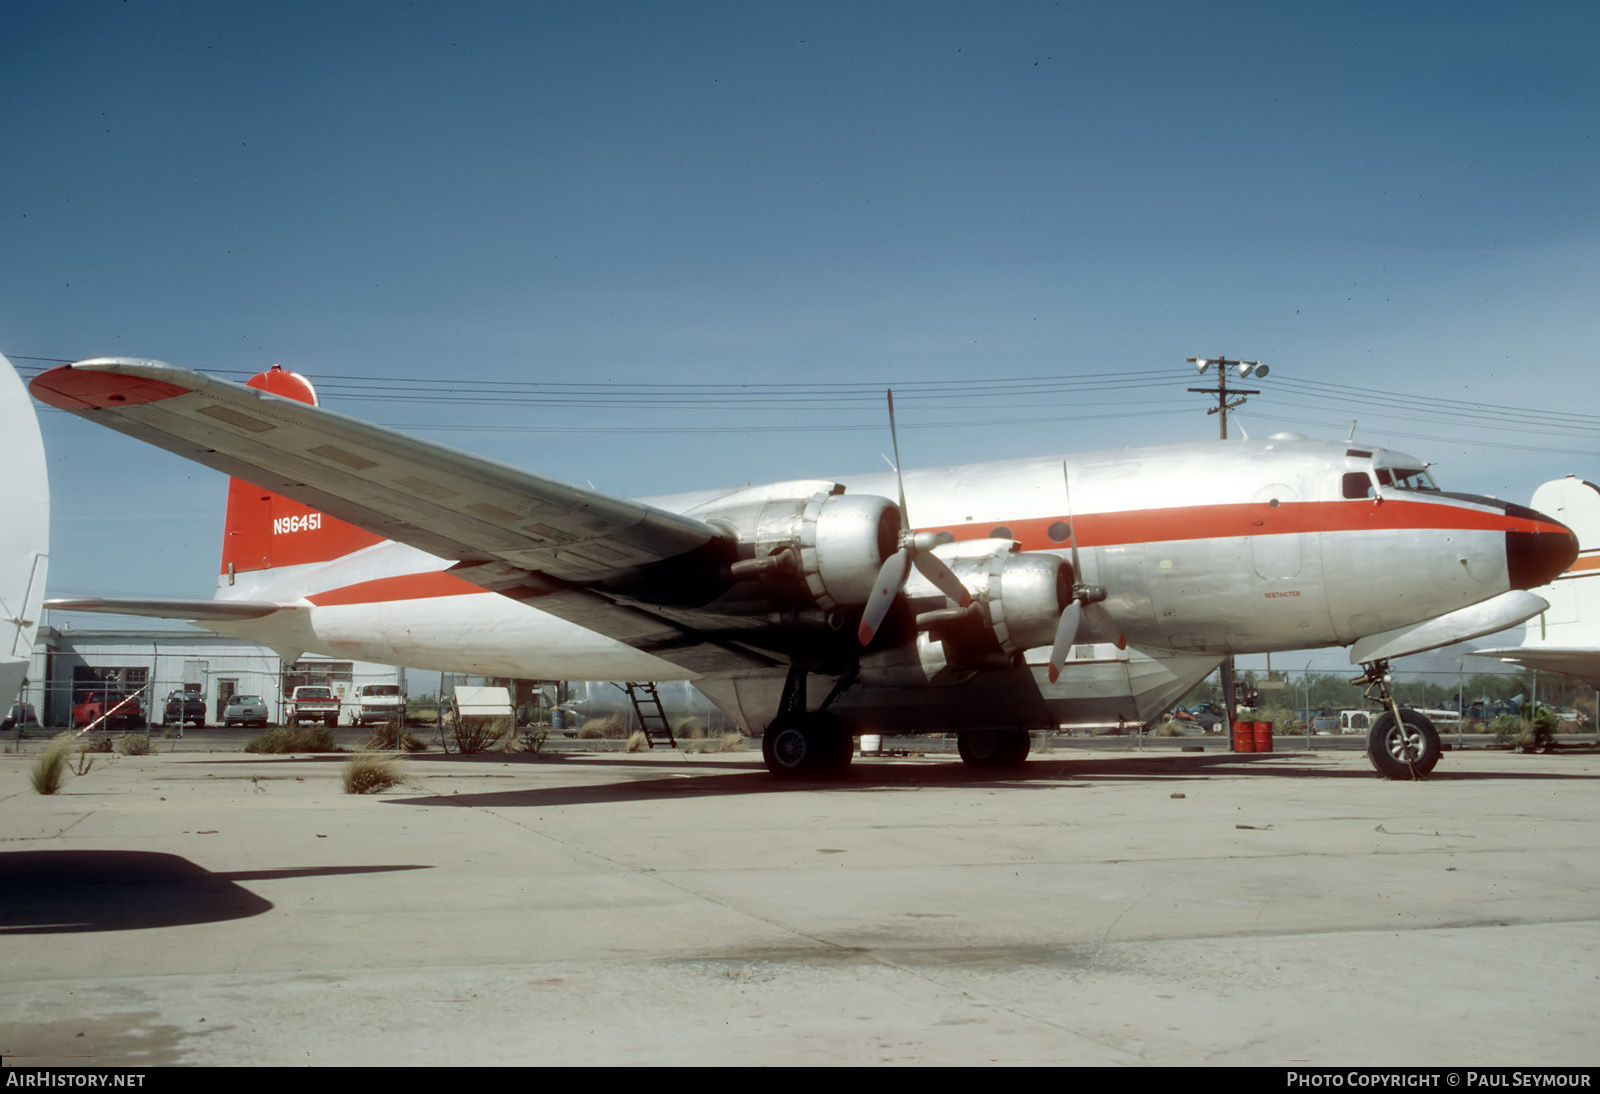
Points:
x=1537 y=557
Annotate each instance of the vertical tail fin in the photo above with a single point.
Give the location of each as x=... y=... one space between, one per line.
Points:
x=267 y=531
x=1574 y=615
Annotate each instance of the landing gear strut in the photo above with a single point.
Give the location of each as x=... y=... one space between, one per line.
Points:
x=1401 y=744
x=801 y=743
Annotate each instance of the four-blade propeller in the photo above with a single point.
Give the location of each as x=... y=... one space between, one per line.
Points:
x=916 y=549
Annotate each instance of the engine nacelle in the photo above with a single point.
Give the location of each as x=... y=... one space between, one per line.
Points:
x=1017 y=599
x=833 y=544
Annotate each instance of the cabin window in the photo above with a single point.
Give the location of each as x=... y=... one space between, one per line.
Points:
x=1357 y=484
x=1001 y=532
x=1060 y=532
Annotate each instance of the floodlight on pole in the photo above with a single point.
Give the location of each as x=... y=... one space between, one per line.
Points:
x=1222 y=391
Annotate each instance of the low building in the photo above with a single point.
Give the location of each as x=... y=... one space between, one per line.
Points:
x=70 y=663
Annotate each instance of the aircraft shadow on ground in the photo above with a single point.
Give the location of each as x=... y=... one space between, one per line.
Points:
x=72 y=892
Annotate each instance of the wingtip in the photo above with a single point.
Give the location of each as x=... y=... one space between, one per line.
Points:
x=96 y=384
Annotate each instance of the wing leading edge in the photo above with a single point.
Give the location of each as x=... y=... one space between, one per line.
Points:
x=598 y=560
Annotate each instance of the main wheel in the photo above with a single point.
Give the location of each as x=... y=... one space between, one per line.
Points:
x=810 y=746
x=1407 y=751
x=991 y=749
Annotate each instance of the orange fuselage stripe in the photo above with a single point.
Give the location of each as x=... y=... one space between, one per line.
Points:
x=1098 y=530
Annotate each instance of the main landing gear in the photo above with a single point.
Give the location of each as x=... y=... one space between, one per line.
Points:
x=801 y=743
x=993 y=749
x=1401 y=744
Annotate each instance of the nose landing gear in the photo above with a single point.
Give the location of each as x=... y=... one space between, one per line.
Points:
x=1401 y=744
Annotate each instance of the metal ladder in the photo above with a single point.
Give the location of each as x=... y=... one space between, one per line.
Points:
x=653 y=721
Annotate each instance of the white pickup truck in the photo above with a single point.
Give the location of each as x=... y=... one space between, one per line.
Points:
x=379 y=704
x=314 y=703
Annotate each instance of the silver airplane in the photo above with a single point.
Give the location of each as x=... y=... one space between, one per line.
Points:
x=353 y=540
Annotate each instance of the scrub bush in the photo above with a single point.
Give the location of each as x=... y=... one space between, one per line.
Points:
x=315 y=739
x=133 y=744
x=371 y=773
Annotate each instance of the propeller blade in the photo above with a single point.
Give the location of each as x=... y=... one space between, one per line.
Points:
x=1066 y=635
x=896 y=568
x=894 y=439
x=932 y=567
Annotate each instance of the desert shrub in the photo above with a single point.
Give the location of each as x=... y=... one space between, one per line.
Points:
x=315 y=739
x=51 y=764
x=1505 y=728
x=477 y=734
x=638 y=742
x=731 y=742
x=371 y=773
x=1168 y=729
x=690 y=729
x=96 y=744
x=390 y=737
x=133 y=744
x=610 y=728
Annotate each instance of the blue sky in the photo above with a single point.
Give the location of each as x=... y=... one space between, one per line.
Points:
x=1392 y=198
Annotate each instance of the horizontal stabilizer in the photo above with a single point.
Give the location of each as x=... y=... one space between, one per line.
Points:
x=1582 y=662
x=175 y=608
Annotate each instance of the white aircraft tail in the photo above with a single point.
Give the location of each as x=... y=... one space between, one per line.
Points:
x=1566 y=637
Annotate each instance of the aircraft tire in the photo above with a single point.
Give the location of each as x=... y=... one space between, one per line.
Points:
x=1410 y=754
x=813 y=746
x=993 y=749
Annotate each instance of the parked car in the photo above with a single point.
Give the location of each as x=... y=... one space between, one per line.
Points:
x=245 y=710
x=119 y=711
x=22 y=715
x=185 y=706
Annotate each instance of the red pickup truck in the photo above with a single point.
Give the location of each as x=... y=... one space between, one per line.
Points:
x=118 y=710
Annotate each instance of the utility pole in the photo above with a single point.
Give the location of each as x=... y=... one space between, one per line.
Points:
x=1230 y=692
x=1222 y=391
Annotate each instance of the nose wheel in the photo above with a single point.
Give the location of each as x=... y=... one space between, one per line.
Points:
x=1401 y=744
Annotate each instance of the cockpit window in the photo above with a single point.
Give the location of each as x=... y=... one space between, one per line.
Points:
x=1407 y=478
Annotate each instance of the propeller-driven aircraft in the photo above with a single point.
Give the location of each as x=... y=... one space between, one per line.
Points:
x=947 y=599
x=1566 y=637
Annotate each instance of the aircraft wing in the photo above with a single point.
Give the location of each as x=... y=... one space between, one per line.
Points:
x=579 y=553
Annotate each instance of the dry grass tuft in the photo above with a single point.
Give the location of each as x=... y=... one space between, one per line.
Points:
x=638 y=742
x=51 y=764
x=133 y=744
x=609 y=727
x=372 y=773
